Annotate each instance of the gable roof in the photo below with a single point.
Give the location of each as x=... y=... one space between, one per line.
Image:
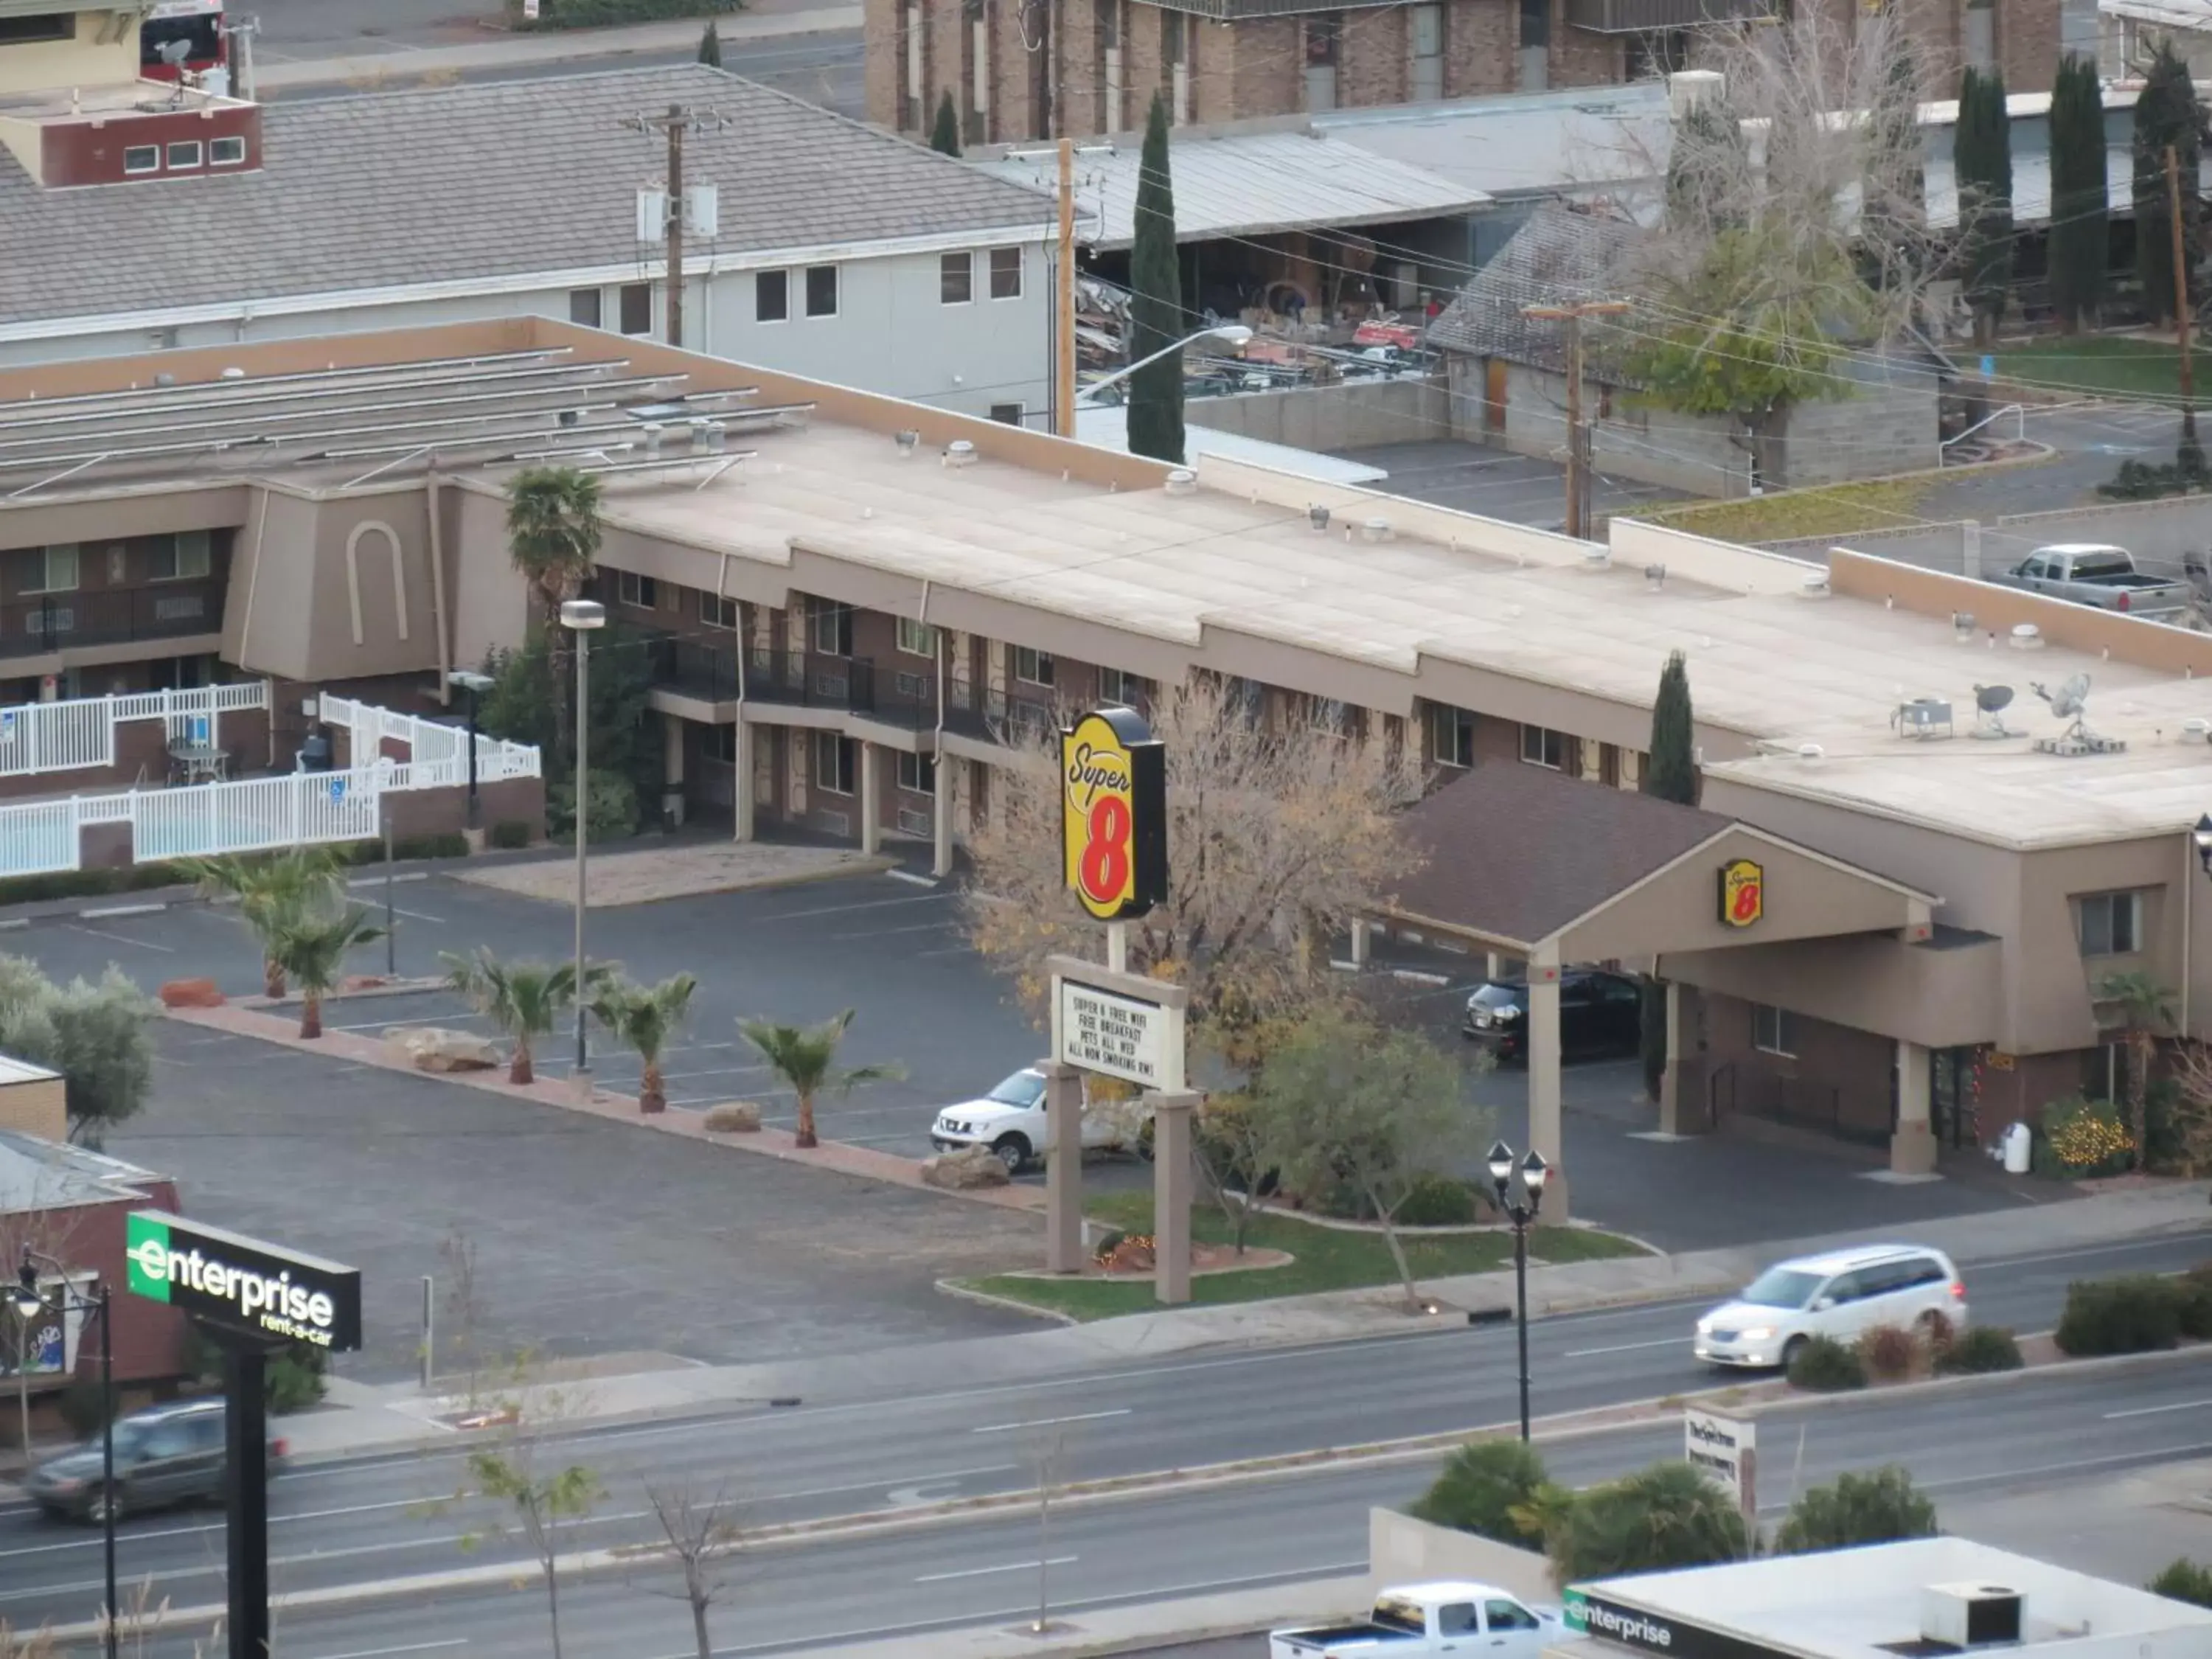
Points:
x=454 y=183
x=1560 y=257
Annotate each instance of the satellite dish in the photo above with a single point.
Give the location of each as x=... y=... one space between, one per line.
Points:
x=173 y=52
x=1992 y=701
x=2069 y=699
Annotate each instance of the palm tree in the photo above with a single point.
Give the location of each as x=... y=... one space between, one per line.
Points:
x=312 y=946
x=805 y=1058
x=553 y=537
x=524 y=999
x=271 y=890
x=2148 y=1007
x=642 y=1017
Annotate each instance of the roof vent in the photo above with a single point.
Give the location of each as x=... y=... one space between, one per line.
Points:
x=2196 y=729
x=2028 y=637
x=708 y=435
x=569 y=416
x=1970 y=1615
x=1962 y=626
x=1317 y=517
x=1656 y=575
x=960 y=453
x=907 y=439
x=234 y=374
x=1376 y=530
x=1599 y=557
x=165 y=378
x=1811 y=754
x=1182 y=482
x=1815 y=586
x=651 y=430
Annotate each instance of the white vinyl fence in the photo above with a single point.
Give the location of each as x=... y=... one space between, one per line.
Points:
x=79 y=735
x=429 y=743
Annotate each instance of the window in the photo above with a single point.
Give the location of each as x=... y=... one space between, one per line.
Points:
x=833 y=763
x=1032 y=666
x=1510 y=1615
x=142 y=158
x=1007 y=414
x=822 y=290
x=51 y=569
x=1543 y=747
x=226 y=152
x=184 y=155
x=2105 y=1072
x=832 y=628
x=1328 y=715
x=1005 y=273
x=39 y=25
x=1451 y=736
x=1457 y=1618
x=634 y=589
x=716 y=611
x=186 y=556
x=956 y=279
x=635 y=307
x=719 y=743
x=1535 y=23
x=917 y=638
x=771 y=296
x=918 y=773
x=1119 y=686
x=2110 y=924
x=583 y=307
x=1846 y=1287
x=1426 y=79
x=1773 y=1030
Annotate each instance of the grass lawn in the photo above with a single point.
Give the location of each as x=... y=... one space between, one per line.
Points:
x=2123 y=368
x=1326 y=1259
x=1833 y=510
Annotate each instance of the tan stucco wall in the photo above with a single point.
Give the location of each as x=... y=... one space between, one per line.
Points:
x=306 y=567
x=87 y=60
x=1939 y=998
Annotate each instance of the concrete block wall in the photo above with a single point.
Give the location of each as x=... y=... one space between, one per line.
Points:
x=36 y=1106
x=1884 y=428
x=1348 y=416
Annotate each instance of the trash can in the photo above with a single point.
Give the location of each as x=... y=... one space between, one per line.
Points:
x=2019 y=1143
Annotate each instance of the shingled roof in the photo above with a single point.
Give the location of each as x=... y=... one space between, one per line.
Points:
x=459 y=184
x=1560 y=257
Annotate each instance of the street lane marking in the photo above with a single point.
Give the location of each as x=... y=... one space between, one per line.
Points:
x=1050 y=1422
x=1625 y=1347
x=96 y=1542
x=1011 y=1566
x=885 y=933
x=412 y=1647
x=378 y=881
x=122 y=939
x=2153 y=1411
x=841 y=909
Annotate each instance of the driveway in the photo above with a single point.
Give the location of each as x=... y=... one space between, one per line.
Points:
x=1497 y=483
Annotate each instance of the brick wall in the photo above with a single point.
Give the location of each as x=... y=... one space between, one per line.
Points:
x=1580 y=58
x=2028 y=34
x=1082 y=68
x=1371 y=65
x=945 y=52
x=1140 y=60
x=148 y=1337
x=1270 y=77
x=36 y=1106
x=883 y=67
x=1480 y=39
x=1837 y=1081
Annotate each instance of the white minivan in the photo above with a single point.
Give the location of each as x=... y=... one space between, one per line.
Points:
x=1842 y=1295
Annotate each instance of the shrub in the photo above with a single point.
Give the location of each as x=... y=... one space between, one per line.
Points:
x=2193 y=1296
x=91 y=883
x=2083 y=1137
x=293 y=1379
x=1441 y=1202
x=1482 y=1486
x=1664 y=1516
x=595 y=14
x=613 y=810
x=2184 y=1580
x=446 y=844
x=1827 y=1366
x=1980 y=1348
x=1856 y=1509
x=1888 y=1354
x=510 y=833
x=2135 y=1313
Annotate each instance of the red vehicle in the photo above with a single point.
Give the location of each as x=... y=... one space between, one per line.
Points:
x=181 y=37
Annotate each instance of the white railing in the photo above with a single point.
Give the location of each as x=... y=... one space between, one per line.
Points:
x=79 y=734
x=430 y=742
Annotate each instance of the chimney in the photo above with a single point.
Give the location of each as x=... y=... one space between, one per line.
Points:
x=1693 y=89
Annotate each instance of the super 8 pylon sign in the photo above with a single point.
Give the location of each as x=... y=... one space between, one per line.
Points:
x=1113 y=814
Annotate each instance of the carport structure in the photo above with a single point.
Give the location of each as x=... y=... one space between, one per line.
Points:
x=1514 y=858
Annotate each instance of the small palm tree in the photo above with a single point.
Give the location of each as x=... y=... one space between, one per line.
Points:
x=553 y=538
x=524 y=999
x=642 y=1017
x=270 y=891
x=311 y=946
x=805 y=1058
x=2147 y=1008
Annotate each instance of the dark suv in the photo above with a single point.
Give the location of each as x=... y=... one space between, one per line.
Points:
x=164 y=1456
x=1599 y=1014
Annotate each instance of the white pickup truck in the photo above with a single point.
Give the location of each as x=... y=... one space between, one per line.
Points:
x=1412 y=1621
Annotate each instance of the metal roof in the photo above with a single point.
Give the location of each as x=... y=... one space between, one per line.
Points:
x=2190 y=15
x=1593 y=139
x=1249 y=185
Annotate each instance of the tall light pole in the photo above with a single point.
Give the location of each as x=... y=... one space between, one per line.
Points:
x=29 y=1305
x=475 y=686
x=1521 y=1212
x=582 y=617
x=1229 y=334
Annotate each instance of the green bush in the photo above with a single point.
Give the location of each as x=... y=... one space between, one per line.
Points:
x=1856 y=1509
x=91 y=883
x=2136 y=1314
x=1482 y=1485
x=599 y=13
x=2079 y=1139
x=2165 y=1152
x=1441 y=1202
x=1665 y=1516
x=1824 y=1365
x=613 y=812
x=510 y=833
x=1979 y=1348
x=2184 y=1580
x=293 y=1379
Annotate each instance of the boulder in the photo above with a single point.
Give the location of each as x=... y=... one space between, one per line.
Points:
x=969 y=1167
x=734 y=1117
x=431 y=1049
x=353 y=983
x=191 y=994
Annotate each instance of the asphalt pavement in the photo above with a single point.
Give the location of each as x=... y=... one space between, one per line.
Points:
x=393 y=1516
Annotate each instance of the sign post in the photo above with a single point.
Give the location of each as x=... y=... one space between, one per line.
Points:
x=253 y=1299
x=1724 y=1450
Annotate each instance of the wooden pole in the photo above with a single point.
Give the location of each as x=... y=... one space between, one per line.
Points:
x=1574 y=321
x=676 y=118
x=2183 y=331
x=1063 y=383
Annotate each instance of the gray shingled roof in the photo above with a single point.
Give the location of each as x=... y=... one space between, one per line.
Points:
x=1558 y=258
x=388 y=190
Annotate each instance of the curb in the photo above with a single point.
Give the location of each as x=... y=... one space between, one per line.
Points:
x=953 y=1287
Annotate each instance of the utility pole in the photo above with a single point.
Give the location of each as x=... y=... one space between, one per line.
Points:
x=674 y=124
x=1063 y=321
x=2183 y=331
x=1578 y=449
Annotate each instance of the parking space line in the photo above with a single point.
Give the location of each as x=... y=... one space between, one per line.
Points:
x=840 y=909
x=121 y=938
x=885 y=933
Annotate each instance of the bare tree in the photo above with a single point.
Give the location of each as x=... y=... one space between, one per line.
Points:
x=1047 y=1451
x=44 y=1228
x=464 y=1311
x=700 y=1532
x=2191 y=1064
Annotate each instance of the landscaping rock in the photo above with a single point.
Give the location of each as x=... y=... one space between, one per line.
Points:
x=734 y=1117
x=969 y=1167
x=429 y=1048
x=354 y=982
x=191 y=994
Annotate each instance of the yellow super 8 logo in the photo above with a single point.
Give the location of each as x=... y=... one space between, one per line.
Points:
x=1743 y=893
x=1113 y=812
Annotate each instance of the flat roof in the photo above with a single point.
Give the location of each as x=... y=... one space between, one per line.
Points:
x=45 y=1174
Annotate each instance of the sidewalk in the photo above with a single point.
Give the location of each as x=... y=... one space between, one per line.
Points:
x=550 y=47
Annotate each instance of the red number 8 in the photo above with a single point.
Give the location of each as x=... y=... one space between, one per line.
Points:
x=1105 y=866
x=1746 y=901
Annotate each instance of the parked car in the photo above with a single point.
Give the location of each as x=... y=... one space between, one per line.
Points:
x=2096 y=574
x=1599 y=1014
x=1840 y=1296
x=1011 y=1120
x=1418 y=1620
x=165 y=1456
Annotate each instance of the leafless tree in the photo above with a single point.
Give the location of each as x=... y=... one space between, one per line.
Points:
x=2191 y=1064
x=1048 y=1453
x=44 y=1228
x=701 y=1533
x=464 y=1311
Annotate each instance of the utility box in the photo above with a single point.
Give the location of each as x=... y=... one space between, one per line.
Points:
x=1970 y=1615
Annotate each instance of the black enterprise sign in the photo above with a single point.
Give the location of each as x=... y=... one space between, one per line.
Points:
x=242 y=1283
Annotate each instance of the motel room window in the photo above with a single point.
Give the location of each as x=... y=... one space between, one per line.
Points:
x=834 y=762
x=2109 y=924
x=142 y=158
x=917 y=638
x=720 y=743
x=636 y=305
x=1773 y=1030
x=183 y=556
x=956 y=278
x=642 y=591
x=1451 y=735
x=832 y=628
x=184 y=156
x=918 y=773
x=1032 y=666
x=1120 y=685
x=1540 y=746
x=771 y=296
x=715 y=610
x=51 y=569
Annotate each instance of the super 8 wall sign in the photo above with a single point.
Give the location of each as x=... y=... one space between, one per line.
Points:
x=1113 y=814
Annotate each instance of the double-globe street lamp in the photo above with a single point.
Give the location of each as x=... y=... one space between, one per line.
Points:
x=29 y=1303
x=582 y=617
x=1521 y=1212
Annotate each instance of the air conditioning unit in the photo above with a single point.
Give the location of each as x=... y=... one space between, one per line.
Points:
x=1970 y=1615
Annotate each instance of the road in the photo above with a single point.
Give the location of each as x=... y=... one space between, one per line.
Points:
x=1208 y=1538
x=388 y=1517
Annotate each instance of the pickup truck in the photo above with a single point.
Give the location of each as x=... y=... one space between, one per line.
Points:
x=2087 y=573
x=1412 y=1621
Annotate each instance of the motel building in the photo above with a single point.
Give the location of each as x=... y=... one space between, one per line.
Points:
x=851 y=602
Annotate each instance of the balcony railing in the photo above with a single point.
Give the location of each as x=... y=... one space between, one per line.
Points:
x=1011 y=716
x=697 y=671
x=56 y=621
x=1642 y=16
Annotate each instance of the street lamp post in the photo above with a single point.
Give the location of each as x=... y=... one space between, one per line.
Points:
x=1229 y=334
x=28 y=1305
x=1521 y=1212
x=582 y=617
x=475 y=686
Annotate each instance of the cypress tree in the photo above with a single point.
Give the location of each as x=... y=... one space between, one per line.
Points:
x=2167 y=113
x=2080 y=203
x=1156 y=315
x=1670 y=772
x=1981 y=160
x=710 y=46
x=944 y=137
